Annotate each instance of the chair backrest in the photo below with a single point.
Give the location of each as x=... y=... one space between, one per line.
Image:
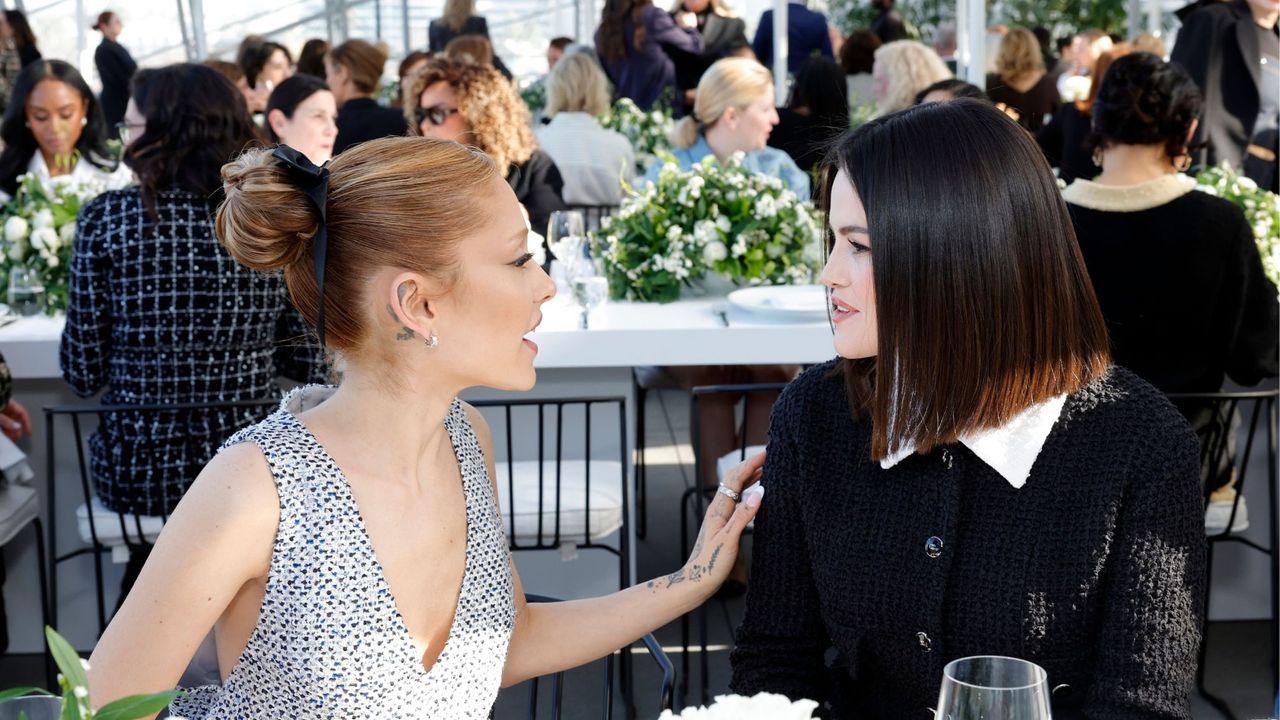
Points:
x=556 y=449
x=136 y=527
x=1213 y=415
x=655 y=651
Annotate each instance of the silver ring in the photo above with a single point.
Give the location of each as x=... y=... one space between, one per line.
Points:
x=729 y=492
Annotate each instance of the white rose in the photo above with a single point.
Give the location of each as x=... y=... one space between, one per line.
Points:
x=1247 y=184
x=44 y=238
x=67 y=233
x=15 y=229
x=715 y=252
x=43 y=219
x=53 y=261
x=17 y=251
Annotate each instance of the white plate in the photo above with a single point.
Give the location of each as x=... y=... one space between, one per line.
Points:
x=797 y=302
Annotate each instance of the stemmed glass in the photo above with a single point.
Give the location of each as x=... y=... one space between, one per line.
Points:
x=26 y=291
x=567 y=239
x=590 y=288
x=989 y=687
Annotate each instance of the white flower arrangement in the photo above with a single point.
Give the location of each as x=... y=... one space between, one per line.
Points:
x=648 y=132
x=40 y=228
x=1261 y=209
x=1075 y=88
x=764 y=706
x=713 y=217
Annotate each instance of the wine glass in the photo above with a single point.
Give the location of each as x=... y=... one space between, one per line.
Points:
x=26 y=291
x=990 y=687
x=589 y=290
x=567 y=239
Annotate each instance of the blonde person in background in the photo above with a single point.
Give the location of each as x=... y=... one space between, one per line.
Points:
x=733 y=113
x=902 y=69
x=1020 y=81
x=593 y=161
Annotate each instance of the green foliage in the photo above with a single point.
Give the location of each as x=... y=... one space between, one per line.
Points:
x=1261 y=208
x=648 y=132
x=1059 y=16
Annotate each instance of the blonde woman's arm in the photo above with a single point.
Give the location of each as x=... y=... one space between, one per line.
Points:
x=550 y=637
x=218 y=539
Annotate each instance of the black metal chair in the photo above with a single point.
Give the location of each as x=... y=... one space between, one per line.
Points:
x=1259 y=406
x=557 y=680
x=20 y=508
x=101 y=529
x=693 y=506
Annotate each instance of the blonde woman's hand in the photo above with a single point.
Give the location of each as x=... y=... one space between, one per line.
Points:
x=717 y=547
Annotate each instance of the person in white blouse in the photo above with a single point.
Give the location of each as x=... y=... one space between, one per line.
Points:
x=593 y=161
x=54 y=128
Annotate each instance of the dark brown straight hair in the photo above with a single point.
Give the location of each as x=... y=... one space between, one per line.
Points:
x=984 y=305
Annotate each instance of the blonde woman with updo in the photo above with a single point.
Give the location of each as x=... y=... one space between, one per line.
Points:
x=475 y=105
x=592 y=160
x=347 y=552
x=901 y=70
x=734 y=113
x=1020 y=82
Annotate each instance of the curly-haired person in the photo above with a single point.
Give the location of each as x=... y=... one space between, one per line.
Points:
x=475 y=105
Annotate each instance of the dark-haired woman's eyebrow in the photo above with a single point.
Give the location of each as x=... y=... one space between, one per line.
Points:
x=852 y=230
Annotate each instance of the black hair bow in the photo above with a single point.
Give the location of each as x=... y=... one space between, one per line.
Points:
x=314 y=181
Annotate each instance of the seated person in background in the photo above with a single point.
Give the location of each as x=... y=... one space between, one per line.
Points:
x=303 y=115
x=1021 y=82
x=353 y=71
x=1025 y=498
x=593 y=161
x=475 y=105
x=858 y=58
x=54 y=127
x=901 y=70
x=159 y=313
x=1176 y=271
x=1065 y=138
x=723 y=35
x=816 y=113
x=475 y=49
x=734 y=112
x=950 y=89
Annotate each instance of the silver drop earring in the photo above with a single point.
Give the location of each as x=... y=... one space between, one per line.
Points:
x=433 y=341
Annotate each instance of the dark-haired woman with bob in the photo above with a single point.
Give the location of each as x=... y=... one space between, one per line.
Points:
x=159 y=313
x=972 y=475
x=1176 y=270
x=303 y=115
x=53 y=128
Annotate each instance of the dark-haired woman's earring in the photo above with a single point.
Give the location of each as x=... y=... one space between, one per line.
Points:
x=1097 y=157
x=84 y=121
x=1182 y=163
x=433 y=341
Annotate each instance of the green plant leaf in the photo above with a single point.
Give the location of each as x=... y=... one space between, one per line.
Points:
x=136 y=706
x=22 y=692
x=67 y=659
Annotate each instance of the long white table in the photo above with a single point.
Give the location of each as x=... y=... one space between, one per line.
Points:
x=621 y=335
x=571 y=362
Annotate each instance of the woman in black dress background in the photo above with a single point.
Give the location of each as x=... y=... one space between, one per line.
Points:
x=115 y=68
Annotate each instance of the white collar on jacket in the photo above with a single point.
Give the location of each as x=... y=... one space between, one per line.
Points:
x=1010 y=449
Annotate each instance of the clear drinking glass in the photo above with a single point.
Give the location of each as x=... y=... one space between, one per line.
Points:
x=589 y=291
x=26 y=291
x=567 y=238
x=989 y=687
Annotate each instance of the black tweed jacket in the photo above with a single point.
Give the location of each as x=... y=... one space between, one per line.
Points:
x=865 y=582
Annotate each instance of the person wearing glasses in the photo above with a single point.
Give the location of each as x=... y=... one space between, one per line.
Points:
x=54 y=128
x=475 y=105
x=353 y=71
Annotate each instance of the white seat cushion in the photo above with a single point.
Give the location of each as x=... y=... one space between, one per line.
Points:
x=18 y=506
x=606 y=500
x=107 y=523
x=726 y=463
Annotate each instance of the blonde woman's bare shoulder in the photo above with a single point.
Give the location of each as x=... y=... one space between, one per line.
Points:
x=234 y=493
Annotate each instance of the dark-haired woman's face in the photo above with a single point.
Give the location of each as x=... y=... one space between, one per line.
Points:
x=848 y=273
x=276 y=71
x=56 y=115
x=312 y=129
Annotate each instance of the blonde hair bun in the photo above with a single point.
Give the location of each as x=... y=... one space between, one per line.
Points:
x=265 y=221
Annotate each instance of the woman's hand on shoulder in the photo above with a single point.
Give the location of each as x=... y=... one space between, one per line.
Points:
x=220 y=537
